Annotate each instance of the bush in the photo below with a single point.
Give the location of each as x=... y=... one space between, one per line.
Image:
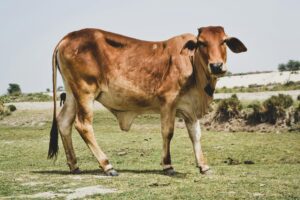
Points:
x=285 y=100
x=4 y=111
x=1 y=107
x=275 y=107
x=12 y=108
x=228 y=108
x=256 y=115
x=271 y=110
x=297 y=114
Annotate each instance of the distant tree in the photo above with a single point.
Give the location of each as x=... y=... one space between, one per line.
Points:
x=14 y=89
x=291 y=65
x=47 y=90
x=281 y=67
x=228 y=73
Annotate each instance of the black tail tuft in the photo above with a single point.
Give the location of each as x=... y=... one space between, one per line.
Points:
x=53 y=144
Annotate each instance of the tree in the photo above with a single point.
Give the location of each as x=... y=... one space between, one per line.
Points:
x=14 y=89
x=281 y=67
x=291 y=65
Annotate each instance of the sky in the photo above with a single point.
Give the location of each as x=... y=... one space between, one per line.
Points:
x=29 y=30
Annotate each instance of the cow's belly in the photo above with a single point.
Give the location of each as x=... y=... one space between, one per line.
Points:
x=127 y=99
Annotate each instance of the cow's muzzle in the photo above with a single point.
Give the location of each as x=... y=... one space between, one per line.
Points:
x=217 y=68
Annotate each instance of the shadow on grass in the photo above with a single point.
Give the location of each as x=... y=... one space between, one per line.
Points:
x=99 y=172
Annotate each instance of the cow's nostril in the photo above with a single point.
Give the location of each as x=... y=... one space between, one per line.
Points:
x=216 y=68
x=216 y=65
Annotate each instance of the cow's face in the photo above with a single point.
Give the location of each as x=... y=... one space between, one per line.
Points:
x=211 y=44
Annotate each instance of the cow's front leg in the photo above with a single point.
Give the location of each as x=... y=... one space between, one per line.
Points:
x=194 y=131
x=167 y=130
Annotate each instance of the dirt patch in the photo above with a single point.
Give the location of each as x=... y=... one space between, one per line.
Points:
x=88 y=191
x=46 y=195
x=69 y=194
x=32 y=183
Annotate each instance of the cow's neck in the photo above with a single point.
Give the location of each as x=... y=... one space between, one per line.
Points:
x=205 y=85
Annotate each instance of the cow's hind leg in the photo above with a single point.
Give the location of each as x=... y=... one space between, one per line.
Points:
x=65 y=121
x=194 y=131
x=83 y=124
x=167 y=130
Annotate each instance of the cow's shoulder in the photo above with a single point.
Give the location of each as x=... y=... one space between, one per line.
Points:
x=181 y=61
x=177 y=43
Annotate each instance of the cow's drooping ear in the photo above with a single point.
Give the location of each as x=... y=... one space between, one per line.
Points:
x=235 y=45
x=189 y=48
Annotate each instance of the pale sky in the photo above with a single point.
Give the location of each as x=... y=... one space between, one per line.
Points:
x=29 y=30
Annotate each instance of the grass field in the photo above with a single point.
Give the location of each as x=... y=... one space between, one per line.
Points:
x=26 y=173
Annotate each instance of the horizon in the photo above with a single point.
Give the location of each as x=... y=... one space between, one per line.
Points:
x=31 y=29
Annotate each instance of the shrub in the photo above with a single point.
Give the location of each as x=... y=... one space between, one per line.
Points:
x=271 y=110
x=12 y=108
x=297 y=114
x=4 y=111
x=275 y=107
x=228 y=108
x=256 y=115
x=285 y=100
x=1 y=107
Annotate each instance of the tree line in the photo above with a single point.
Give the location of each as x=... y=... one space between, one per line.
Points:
x=291 y=65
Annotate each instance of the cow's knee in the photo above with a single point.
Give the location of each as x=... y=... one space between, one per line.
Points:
x=83 y=127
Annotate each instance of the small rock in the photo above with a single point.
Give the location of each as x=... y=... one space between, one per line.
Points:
x=232 y=161
x=249 y=162
x=257 y=194
x=122 y=153
x=153 y=184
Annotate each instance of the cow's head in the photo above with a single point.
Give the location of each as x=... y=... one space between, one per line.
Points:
x=211 y=47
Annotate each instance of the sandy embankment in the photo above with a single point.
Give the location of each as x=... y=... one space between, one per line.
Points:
x=98 y=106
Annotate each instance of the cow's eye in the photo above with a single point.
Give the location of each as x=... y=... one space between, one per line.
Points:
x=201 y=44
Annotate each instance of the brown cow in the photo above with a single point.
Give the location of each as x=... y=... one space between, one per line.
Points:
x=130 y=77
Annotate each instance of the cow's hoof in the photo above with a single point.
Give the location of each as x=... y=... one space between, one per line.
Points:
x=111 y=172
x=207 y=171
x=169 y=171
x=76 y=171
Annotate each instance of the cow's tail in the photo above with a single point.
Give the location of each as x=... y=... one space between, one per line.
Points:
x=53 y=144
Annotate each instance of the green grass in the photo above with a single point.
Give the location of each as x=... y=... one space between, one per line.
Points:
x=24 y=169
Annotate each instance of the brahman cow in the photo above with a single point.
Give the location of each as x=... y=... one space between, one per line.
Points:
x=130 y=77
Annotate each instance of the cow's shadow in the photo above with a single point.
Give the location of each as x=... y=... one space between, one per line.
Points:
x=99 y=172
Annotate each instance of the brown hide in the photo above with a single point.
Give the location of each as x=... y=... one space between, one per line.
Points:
x=129 y=77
